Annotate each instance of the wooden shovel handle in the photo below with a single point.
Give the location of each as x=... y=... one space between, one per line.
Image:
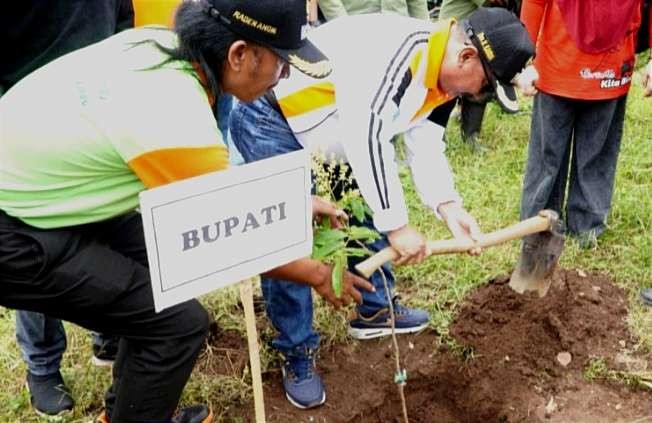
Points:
x=539 y=223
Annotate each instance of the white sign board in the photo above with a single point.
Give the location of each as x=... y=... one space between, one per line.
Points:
x=208 y=232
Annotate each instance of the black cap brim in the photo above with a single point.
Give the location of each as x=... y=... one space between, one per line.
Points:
x=505 y=96
x=505 y=91
x=307 y=59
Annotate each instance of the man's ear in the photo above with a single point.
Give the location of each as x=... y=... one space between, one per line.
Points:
x=236 y=56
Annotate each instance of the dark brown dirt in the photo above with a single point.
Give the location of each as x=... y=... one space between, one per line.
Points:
x=505 y=371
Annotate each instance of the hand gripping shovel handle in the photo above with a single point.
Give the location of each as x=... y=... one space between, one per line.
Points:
x=541 y=222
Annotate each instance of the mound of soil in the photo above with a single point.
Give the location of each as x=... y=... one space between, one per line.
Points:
x=508 y=366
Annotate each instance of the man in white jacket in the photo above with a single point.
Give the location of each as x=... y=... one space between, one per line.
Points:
x=389 y=73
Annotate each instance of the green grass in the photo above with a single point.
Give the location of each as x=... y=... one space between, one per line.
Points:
x=490 y=184
x=598 y=369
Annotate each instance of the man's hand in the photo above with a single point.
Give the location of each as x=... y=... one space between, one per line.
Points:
x=647 y=79
x=410 y=245
x=460 y=223
x=319 y=276
x=525 y=80
x=321 y=207
x=350 y=284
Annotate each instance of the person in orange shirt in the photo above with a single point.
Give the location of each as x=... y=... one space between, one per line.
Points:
x=585 y=54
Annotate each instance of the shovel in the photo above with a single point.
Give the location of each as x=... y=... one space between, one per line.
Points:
x=543 y=241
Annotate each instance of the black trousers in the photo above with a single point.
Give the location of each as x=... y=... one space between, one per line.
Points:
x=572 y=157
x=96 y=276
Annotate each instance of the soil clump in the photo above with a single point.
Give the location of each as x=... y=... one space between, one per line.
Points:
x=510 y=363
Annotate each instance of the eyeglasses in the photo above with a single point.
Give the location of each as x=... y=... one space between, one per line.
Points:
x=474 y=41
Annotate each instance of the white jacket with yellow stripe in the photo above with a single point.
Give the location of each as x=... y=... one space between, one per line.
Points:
x=384 y=83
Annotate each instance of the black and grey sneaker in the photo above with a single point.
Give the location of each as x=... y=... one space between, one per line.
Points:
x=192 y=414
x=374 y=325
x=49 y=395
x=104 y=354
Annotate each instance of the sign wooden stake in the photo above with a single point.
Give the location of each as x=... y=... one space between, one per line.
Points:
x=247 y=298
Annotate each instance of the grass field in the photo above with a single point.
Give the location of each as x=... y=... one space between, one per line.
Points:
x=490 y=183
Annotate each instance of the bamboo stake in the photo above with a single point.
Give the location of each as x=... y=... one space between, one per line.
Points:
x=247 y=298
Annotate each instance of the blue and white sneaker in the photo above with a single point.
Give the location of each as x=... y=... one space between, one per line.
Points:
x=302 y=384
x=408 y=320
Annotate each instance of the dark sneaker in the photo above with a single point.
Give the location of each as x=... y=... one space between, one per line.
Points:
x=49 y=395
x=646 y=296
x=192 y=414
x=303 y=386
x=104 y=354
x=408 y=320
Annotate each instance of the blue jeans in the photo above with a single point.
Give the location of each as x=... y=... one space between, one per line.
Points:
x=225 y=103
x=42 y=341
x=258 y=132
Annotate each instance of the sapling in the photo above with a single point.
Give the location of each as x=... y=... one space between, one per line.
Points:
x=335 y=245
x=334 y=182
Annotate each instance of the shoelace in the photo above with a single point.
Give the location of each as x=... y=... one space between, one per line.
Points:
x=302 y=367
x=398 y=308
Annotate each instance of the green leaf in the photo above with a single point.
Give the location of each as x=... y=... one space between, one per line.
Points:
x=328 y=236
x=361 y=233
x=357 y=206
x=325 y=252
x=327 y=242
x=337 y=276
x=323 y=223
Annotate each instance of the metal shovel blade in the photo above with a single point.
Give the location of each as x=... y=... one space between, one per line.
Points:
x=540 y=254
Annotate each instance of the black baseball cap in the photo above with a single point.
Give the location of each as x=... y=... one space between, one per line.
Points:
x=504 y=46
x=280 y=25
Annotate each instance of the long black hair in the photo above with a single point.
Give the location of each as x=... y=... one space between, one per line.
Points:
x=203 y=40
